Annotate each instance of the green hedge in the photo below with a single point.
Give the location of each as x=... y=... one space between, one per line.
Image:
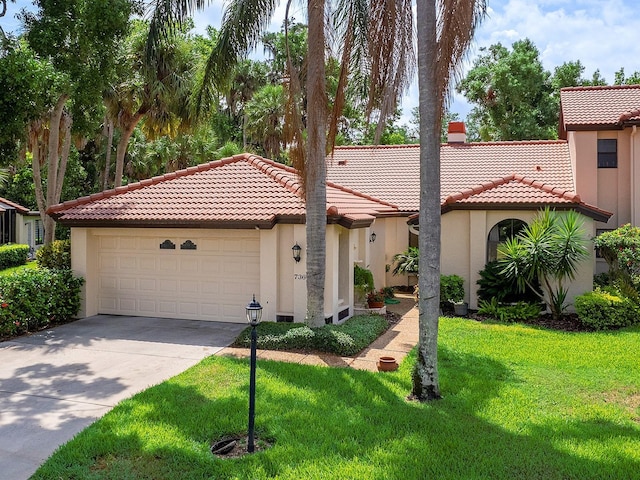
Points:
x=600 y=310
x=451 y=288
x=32 y=299
x=346 y=339
x=13 y=255
x=57 y=255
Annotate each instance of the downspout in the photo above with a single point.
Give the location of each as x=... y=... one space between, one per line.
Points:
x=634 y=220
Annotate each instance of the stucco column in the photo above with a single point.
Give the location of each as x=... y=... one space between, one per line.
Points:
x=478 y=232
x=269 y=273
x=300 y=276
x=331 y=293
x=84 y=264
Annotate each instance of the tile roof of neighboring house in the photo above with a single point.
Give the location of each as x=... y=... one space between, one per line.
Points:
x=244 y=191
x=5 y=204
x=391 y=173
x=602 y=106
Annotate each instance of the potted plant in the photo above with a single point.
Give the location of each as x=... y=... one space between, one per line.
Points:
x=362 y=284
x=452 y=291
x=375 y=299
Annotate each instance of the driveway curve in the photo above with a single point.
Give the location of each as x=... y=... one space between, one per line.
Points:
x=55 y=383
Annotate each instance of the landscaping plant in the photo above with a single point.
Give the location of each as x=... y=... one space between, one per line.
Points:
x=494 y=284
x=519 y=312
x=549 y=249
x=606 y=310
x=13 y=255
x=34 y=298
x=621 y=249
x=56 y=255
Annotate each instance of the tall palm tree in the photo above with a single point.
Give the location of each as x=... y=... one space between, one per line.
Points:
x=445 y=30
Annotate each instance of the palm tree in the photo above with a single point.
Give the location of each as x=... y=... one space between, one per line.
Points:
x=445 y=30
x=264 y=115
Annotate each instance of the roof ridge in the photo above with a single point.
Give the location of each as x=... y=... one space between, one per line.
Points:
x=599 y=87
x=373 y=147
x=507 y=142
x=144 y=183
x=628 y=115
x=269 y=167
x=481 y=188
x=360 y=194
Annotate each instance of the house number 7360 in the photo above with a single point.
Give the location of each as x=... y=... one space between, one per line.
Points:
x=299 y=276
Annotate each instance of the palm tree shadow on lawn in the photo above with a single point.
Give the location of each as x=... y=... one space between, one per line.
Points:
x=356 y=420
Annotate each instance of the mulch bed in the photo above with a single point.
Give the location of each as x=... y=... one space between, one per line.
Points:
x=568 y=323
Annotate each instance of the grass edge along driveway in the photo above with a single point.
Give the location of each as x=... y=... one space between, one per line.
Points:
x=519 y=402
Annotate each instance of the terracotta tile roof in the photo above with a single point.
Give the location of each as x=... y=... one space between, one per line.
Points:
x=4 y=203
x=605 y=107
x=391 y=173
x=239 y=192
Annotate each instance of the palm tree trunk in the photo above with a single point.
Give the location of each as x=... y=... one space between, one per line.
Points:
x=121 y=151
x=425 y=376
x=315 y=184
x=107 y=157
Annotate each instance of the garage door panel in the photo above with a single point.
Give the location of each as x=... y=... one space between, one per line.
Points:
x=213 y=282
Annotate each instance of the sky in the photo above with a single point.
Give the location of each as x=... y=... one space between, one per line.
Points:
x=602 y=34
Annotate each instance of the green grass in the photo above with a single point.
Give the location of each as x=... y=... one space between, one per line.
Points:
x=518 y=402
x=9 y=271
x=346 y=339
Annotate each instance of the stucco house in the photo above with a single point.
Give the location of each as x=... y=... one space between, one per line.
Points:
x=20 y=225
x=198 y=243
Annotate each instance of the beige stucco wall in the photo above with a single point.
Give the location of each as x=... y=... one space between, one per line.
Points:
x=464 y=248
x=282 y=283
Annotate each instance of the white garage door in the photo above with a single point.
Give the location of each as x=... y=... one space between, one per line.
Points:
x=206 y=275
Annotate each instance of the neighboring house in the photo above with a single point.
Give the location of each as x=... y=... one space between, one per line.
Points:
x=199 y=242
x=20 y=225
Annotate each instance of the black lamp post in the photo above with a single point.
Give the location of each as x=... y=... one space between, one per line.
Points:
x=254 y=314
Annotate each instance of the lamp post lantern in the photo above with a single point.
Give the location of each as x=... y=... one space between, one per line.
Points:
x=254 y=314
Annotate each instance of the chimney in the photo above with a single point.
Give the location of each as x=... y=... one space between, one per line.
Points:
x=456 y=133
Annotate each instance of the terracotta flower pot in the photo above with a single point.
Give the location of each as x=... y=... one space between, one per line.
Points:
x=376 y=304
x=387 y=364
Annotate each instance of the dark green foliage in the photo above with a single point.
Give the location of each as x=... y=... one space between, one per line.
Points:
x=494 y=284
x=56 y=256
x=363 y=278
x=32 y=299
x=519 y=312
x=451 y=288
x=407 y=261
x=600 y=310
x=346 y=339
x=13 y=255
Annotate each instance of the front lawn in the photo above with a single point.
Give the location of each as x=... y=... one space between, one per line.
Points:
x=519 y=402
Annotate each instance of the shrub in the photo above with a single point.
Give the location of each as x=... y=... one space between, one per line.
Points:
x=605 y=310
x=56 y=256
x=451 y=288
x=32 y=299
x=13 y=255
x=346 y=339
x=519 y=312
x=407 y=261
x=494 y=283
x=362 y=279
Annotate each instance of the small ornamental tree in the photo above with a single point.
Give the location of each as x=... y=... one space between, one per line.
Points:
x=621 y=249
x=550 y=248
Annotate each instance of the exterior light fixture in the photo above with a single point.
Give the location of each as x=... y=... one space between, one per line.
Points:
x=254 y=315
x=372 y=237
x=297 y=249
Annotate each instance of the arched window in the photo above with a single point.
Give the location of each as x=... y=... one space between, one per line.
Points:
x=500 y=233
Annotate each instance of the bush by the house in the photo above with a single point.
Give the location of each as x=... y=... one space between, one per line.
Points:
x=346 y=339
x=494 y=283
x=32 y=299
x=451 y=288
x=519 y=312
x=56 y=256
x=13 y=255
x=605 y=310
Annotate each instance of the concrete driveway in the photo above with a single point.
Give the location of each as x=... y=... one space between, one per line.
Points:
x=55 y=383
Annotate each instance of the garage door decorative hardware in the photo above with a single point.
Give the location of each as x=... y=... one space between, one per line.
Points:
x=188 y=245
x=167 y=245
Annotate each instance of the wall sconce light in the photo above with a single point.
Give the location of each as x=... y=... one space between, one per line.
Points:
x=296 y=252
x=372 y=237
